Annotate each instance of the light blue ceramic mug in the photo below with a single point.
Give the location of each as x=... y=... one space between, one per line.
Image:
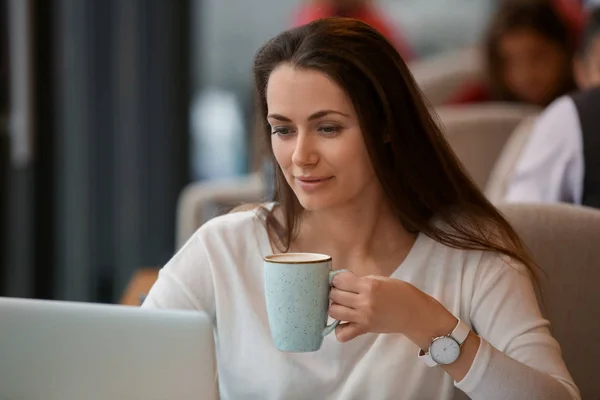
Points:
x=297 y=294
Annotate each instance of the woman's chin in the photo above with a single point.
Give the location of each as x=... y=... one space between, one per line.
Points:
x=314 y=202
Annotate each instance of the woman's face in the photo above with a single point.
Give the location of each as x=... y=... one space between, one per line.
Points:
x=533 y=67
x=317 y=140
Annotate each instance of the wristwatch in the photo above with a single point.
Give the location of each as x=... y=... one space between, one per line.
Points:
x=445 y=350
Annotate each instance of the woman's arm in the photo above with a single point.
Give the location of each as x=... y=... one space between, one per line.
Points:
x=386 y=305
x=435 y=320
x=484 y=372
x=517 y=346
x=515 y=358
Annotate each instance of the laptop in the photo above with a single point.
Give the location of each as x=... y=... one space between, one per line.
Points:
x=55 y=350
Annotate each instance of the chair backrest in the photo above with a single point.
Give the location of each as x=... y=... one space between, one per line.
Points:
x=477 y=133
x=564 y=241
x=201 y=201
x=440 y=77
x=507 y=160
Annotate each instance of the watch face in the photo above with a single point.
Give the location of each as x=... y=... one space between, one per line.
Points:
x=444 y=350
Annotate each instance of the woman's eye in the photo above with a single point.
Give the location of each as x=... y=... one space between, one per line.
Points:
x=329 y=130
x=281 y=131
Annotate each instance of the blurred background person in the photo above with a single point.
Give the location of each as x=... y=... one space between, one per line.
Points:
x=363 y=10
x=561 y=160
x=528 y=52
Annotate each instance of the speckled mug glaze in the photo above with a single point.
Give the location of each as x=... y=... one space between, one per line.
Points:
x=297 y=294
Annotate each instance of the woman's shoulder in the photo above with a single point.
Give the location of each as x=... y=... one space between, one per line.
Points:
x=480 y=261
x=244 y=225
x=235 y=234
x=489 y=267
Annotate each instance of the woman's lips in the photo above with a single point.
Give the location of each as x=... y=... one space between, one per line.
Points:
x=309 y=184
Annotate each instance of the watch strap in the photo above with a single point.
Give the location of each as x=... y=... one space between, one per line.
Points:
x=426 y=358
x=460 y=332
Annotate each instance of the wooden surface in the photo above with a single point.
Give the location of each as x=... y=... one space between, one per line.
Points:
x=140 y=284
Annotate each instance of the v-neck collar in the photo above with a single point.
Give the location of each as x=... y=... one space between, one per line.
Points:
x=265 y=246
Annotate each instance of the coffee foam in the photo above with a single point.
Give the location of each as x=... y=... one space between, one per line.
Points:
x=297 y=258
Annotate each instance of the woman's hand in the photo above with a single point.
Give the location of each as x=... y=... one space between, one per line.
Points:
x=385 y=305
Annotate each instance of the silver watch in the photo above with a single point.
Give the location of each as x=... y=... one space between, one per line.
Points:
x=445 y=350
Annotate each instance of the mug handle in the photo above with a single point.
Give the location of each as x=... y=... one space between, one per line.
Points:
x=331 y=327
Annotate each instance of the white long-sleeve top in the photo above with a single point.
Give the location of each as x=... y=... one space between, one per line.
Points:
x=220 y=271
x=551 y=166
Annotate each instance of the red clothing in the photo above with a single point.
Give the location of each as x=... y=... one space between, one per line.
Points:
x=574 y=16
x=366 y=14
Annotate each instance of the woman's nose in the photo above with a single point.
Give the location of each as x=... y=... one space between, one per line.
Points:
x=305 y=151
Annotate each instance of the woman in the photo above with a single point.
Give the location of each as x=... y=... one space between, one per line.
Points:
x=365 y=175
x=528 y=53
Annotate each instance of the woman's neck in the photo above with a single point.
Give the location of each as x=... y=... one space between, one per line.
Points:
x=366 y=239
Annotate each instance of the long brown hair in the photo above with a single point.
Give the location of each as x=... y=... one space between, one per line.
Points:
x=540 y=16
x=422 y=179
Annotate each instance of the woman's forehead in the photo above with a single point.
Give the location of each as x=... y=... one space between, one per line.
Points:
x=304 y=91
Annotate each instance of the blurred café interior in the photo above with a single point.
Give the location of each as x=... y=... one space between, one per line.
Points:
x=116 y=116
x=126 y=125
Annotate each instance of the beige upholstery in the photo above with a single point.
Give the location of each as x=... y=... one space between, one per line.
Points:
x=565 y=242
x=477 y=133
x=202 y=201
x=441 y=76
x=505 y=165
